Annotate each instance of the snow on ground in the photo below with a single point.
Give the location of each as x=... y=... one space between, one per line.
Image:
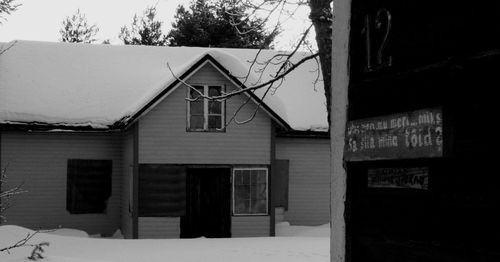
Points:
x=69 y=232
x=286 y=230
x=70 y=246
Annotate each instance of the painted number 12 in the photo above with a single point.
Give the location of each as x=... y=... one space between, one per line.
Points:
x=383 y=27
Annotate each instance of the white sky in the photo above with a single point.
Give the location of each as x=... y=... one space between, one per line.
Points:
x=42 y=19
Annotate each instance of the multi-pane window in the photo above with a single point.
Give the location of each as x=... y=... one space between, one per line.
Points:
x=250 y=195
x=205 y=114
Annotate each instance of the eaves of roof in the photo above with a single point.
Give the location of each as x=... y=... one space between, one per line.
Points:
x=127 y=121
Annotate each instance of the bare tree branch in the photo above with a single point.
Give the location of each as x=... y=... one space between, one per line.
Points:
x=243 y=89
x=5 y=195
x=277 y=12
x=8 y=47
x=21 y=243
x=254 y=113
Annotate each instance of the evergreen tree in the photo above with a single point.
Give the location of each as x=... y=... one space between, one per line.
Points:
x=144 y=31
x=218 y=23
x=6 y=7
x=76 y=29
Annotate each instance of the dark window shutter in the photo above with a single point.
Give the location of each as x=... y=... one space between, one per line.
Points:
x=88 y=185
x=279 y=183
x=162 y=190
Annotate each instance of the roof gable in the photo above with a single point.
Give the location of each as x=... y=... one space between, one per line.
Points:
x=103 y=87
x=207 y=58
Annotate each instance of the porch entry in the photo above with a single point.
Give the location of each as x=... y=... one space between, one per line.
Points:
x=208 y=203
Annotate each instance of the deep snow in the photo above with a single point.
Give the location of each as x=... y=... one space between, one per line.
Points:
x=98 y=85
x=300 y=244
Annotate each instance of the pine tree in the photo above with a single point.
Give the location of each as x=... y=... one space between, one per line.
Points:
x=218 y=24
x=76 y=29
x=6 y=7
x=144 y=31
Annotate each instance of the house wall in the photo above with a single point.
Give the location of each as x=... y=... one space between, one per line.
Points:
x=309 y=179
x=250 y=226
x=163 y=139
x=38 y=161
x=159 y=227
x=126 y=198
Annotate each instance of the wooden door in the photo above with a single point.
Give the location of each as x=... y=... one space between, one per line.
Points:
x=207 y=204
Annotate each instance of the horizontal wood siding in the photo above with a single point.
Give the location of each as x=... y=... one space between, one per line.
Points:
x=279 y=214
x=39 y=162
x=128 y=168
x=309 y=179
x=250 y=226
x=159 y=227
x=163 y=137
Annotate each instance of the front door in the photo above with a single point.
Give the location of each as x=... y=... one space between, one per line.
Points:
x=207 y=204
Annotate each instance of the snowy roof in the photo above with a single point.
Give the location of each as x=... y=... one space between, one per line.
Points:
x=98 y=86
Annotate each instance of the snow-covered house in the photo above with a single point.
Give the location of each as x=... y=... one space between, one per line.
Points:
x=103 y=138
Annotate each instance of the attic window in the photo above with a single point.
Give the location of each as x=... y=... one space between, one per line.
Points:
x=205 y=114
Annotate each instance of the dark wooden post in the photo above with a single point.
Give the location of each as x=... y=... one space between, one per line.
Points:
x=135 y=181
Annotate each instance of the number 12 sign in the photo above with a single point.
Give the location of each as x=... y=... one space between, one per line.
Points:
x=376 y=31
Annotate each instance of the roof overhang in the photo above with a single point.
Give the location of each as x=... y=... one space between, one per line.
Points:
x=206 y=59
x=125 y=122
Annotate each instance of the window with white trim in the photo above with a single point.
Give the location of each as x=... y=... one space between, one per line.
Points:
x=205 y=114
x=250 y=191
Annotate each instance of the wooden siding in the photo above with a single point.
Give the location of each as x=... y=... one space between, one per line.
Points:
x=163 y=137
x=279 y=214
x=39 y=161
x=169 y=227
x=250 y=226
x=309 y=179
x=159 y=227
x=128 y=168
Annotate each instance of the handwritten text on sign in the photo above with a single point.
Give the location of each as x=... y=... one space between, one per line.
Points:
x=414 y=177
x=416 y=134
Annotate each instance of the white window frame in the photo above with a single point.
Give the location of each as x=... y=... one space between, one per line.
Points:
x=205 y=110
x=234 y=191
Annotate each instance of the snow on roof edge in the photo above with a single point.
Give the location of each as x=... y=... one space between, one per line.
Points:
x=218 y=55
x=158 y=89
x=233 y=61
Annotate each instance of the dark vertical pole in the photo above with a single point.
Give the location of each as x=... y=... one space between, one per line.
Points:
x=270 y=184
x=135 y=181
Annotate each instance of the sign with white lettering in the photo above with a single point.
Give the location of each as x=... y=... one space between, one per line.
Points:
x=413 y=177
x=417 y=134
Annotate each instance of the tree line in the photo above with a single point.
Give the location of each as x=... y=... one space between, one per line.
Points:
x=219 y=23
x=203 y=23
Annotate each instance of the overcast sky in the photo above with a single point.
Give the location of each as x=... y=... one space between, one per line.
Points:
x=42 y=19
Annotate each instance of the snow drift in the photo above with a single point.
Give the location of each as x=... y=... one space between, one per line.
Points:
x=81 y=249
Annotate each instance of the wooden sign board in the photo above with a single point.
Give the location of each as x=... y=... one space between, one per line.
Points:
x=417 y=134
x=414 y=178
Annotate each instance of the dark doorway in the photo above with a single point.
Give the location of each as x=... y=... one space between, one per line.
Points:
x=208 y=204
